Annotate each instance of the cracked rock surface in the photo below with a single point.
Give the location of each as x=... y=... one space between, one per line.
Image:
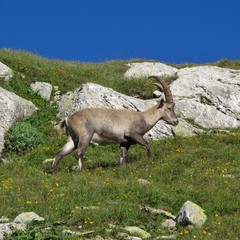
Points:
x=209 y=95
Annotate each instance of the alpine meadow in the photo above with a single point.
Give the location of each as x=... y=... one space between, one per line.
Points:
x=103 y=199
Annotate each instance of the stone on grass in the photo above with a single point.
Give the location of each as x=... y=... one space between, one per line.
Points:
x=138 y=232
x=7 y=228
x=70 y=232
x=5 y=72
x=4 y=219
x=28 y=217
x=169 y=224
x=43 y=89
x=167 y=237
x=19 y=223
x=159 y=212
x=143 y=182
x=191 y=214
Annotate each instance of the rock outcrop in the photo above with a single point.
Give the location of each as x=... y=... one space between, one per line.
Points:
x=12 y=109
x=5 y=72
x=208 y=95
x=43 y=89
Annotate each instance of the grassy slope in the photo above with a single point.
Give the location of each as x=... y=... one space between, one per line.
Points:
x=181 y=169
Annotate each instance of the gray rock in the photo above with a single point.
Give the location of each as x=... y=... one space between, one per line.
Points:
x=169 y=224
x=7 y=228
x=98 y=238
x=43 y=89
x=126 y=236
x=208 y=95
x=191 y=214
x=157 y=94
x=143 y=182
x=12 y=109
x=122 y=235
x=138 y=232
x=133 y=238
x=70 y=232
x=28 y=217
x=146 y=69
x=5 y=72
x=173 y=236
x=4 y=219
x=159 y=212
x=5 y=161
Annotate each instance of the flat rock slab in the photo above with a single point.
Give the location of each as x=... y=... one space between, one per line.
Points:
x=146 y=69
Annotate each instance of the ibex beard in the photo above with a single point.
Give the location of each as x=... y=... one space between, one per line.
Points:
x=122 y=126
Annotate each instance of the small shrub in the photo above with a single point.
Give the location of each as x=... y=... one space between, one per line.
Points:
x=22 y=137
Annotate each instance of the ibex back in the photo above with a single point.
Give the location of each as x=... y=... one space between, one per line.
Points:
x=122 y=126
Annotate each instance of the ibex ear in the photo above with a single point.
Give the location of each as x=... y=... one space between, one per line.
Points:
x=161 y=103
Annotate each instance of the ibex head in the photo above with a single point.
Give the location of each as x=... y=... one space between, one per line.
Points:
x=168 y=105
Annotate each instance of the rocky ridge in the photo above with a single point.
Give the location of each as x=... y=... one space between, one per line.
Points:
x=208 y=95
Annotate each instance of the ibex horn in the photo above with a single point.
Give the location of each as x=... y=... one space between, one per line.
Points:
x=163 y=86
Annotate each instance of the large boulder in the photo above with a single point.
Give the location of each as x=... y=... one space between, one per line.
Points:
x=12 y=109
x=5 y=72
x=92 y=95
x=208 y=95
x=146 y=69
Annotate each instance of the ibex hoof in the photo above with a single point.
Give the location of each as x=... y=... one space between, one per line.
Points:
x=52 y=171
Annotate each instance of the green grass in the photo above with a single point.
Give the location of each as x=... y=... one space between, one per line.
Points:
x=203 y=169
x=195 y=169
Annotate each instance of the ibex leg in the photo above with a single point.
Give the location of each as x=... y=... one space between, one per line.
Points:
x=68 y=148
x=140 y=140
x=124 y=151
x=82 y=146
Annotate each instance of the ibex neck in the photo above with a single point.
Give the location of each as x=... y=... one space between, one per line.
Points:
x=152 y=116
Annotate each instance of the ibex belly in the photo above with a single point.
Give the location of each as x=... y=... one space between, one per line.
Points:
x=105 y=140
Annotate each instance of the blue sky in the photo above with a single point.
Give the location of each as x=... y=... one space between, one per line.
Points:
x=173 y=31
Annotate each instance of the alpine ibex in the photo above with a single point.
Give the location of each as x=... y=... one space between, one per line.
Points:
x=106 y=126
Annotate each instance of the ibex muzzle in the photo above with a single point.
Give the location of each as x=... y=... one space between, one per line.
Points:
x=123 y=126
